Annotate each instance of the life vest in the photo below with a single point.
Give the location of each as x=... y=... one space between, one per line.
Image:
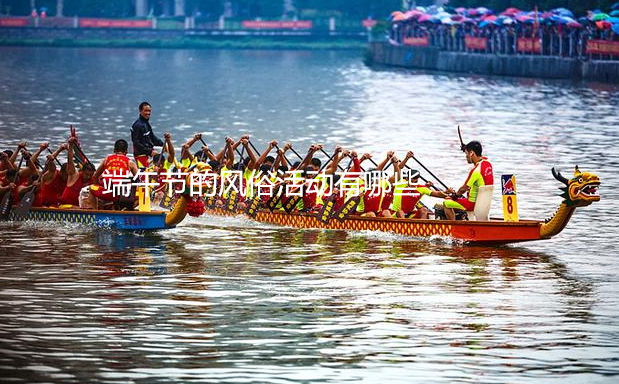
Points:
x=116 y=167
x=71 y=194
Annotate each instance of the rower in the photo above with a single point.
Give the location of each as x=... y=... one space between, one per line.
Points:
x=76 y=180
x=376 y=201
x=479 y=176
x=112 y=169
x=53 y=181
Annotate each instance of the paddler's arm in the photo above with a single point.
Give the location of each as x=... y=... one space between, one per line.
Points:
x=48 y=174
x=230 y=157
x=356 y=163
x=396 y=170
x=193 y=140
x=409 y=155
x=36 y=155
x=208 y=153
x=382 y=164
x=339 y=155
x=310 y=154
x=272 y=145
x=133 y=168
x=168 y=146
x=71 y=171
x=223 y=151
x=31 y=168
x=252 y=156
x=20 y=146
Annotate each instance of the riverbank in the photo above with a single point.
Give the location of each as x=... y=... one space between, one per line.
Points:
x=95 y=37
x=546 y=67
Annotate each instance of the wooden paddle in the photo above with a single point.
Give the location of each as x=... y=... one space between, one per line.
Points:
x=7 y=200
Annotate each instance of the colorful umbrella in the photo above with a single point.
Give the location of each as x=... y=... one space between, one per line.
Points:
x=603 y=24
x=574 y=24
x=423 y=18
x=599 y=16
x=510 y=12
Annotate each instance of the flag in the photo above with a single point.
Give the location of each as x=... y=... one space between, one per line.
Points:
x=535 y=21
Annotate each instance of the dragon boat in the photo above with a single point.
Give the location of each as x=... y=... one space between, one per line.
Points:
x=125 y=220
x=580 y=191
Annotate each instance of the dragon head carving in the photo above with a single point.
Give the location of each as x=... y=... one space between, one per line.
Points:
x=579 y=191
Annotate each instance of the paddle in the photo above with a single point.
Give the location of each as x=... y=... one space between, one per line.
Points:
x=326 y=212
x=24 y=206
x=7 y=200
x=349 y=206
x=431 y=174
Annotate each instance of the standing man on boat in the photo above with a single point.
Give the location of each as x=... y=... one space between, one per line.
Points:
x=143 y=138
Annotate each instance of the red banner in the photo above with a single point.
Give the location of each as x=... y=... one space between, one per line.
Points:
x=603 y=47
x=417 y=41
x=529 y=45
x=256 y=24
x=479 y=43
x=14 y=21
x=111 y=23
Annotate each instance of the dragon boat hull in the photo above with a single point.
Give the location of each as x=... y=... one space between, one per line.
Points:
x=470 y=232
x=125 y=220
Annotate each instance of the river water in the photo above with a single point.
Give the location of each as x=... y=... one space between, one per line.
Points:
x=227 y=300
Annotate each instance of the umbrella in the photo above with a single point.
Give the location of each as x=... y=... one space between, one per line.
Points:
x=563 y=12
x=414 y=14
x=485 y=23
x=460 y=10
x=612 y=20
x=615 y=13
x=489 y=18
x=603 y=25
x=423 y=18
x=574 y=24
x=400 y=17
x=615 y=28
x=599 y=16
x=482 y=10
x=510 y=12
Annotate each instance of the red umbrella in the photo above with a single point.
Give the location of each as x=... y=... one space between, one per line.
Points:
x=489 y=18
x=603 y=24
x=574 y=24
x=510 y=11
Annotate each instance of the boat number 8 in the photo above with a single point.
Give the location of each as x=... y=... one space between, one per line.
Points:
x=510 y=205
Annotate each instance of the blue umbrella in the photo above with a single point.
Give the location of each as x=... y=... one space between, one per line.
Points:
x=612 y=20
x=615 y=13
x=615 y=28
x=563 y=12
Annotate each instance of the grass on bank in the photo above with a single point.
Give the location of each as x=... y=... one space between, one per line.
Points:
x=217 y=43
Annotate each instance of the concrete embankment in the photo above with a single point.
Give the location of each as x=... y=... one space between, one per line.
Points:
x=546 y=67
x=181 y=38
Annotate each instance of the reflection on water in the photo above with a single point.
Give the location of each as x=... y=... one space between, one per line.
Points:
x=229 y=300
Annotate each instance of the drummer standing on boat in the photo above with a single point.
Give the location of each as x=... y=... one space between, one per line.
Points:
x=144 y=140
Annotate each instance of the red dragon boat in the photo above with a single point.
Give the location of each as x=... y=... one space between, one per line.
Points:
x=580 y=191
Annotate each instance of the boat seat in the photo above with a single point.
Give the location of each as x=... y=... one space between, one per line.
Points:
x=482 y=204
